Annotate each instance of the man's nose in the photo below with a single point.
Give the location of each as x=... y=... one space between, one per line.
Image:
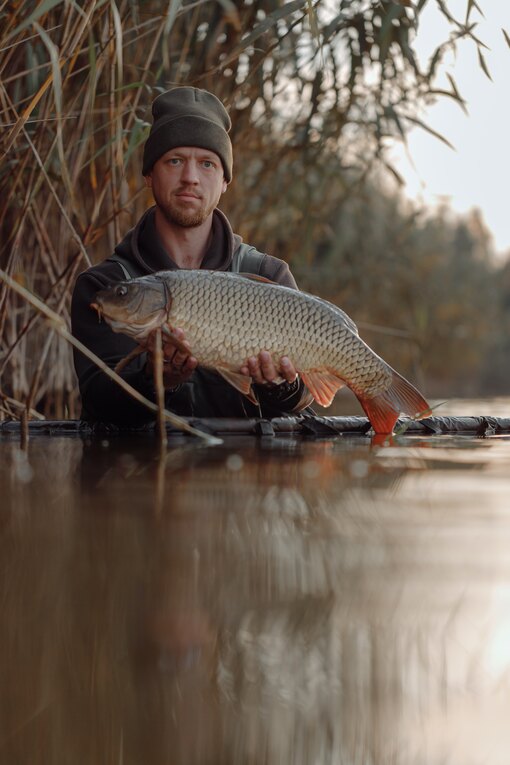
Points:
x=190 y=171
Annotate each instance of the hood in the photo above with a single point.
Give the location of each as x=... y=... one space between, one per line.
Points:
x=143 y=246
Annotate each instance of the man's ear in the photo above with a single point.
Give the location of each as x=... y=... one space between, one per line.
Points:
x=224 y=187
x=148 y=181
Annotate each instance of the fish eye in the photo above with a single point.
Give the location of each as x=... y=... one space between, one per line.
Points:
x=121 y=290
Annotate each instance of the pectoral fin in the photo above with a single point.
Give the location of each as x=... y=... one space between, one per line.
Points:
x=322 y=384
x=242 y=383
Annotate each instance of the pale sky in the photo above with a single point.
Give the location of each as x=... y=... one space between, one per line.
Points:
x=477 y=173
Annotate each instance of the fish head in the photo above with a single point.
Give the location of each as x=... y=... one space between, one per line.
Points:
x=134 y=307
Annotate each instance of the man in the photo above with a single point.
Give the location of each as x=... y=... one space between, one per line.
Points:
x=187 y=164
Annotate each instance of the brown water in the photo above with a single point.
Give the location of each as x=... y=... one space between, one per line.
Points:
x=267 y=601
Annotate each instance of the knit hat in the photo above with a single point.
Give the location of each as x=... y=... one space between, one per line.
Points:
x=188 y=117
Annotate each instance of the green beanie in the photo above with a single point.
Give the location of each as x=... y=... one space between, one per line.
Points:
x=188 y=117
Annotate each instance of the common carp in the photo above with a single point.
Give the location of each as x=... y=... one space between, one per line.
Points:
x=229 y=317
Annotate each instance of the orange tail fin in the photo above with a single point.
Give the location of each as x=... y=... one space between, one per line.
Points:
x=401 y=397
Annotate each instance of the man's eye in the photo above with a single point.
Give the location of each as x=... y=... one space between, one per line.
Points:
x=207 y=163
x=174 y=161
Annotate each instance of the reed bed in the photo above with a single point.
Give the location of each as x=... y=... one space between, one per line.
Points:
x=305 y=81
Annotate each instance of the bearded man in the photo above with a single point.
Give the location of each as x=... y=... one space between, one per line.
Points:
x=187 y=164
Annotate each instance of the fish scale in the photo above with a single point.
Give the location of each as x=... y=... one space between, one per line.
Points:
x=279 y=319
x=227 y=318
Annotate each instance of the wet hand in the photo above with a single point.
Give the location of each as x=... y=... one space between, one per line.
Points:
x=178 y=363
x=262 y=369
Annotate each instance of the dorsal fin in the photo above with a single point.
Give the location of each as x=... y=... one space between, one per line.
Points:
x=257 y=278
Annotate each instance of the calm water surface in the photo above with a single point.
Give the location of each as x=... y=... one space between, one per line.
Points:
x=266 y=601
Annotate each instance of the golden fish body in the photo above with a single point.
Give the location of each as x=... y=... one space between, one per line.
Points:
x=227 y=318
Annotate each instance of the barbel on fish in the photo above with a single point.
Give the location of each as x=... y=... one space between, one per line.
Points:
x=229 y=317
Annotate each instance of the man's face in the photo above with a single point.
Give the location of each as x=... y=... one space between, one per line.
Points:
x=187 y=184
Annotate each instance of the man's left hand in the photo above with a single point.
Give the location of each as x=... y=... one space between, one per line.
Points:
x=262 y=369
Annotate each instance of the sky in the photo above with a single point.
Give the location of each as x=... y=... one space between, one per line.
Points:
x=477 y=173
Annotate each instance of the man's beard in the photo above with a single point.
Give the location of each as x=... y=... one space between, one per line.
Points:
x=186 y=218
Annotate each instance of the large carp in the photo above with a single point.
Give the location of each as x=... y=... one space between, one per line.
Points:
x=229 y=317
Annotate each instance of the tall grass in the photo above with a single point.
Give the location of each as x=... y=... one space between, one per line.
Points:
x=303 y=80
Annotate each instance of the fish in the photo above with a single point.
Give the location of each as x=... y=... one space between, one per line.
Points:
x=229 y=317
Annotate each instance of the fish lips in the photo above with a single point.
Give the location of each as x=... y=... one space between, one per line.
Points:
x=134 y=307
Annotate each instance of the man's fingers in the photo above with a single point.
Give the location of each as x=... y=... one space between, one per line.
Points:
x=178 y=364
x=262 y=368
x=166 y=340
x=175 y=375
x=267 y=367
x=254 y=369
x=287 y=369
x=190 y=365
x=177 y=358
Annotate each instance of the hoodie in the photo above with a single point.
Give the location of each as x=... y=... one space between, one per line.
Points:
x=205 y=394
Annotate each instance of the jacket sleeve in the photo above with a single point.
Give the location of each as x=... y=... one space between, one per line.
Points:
x=287 y=398
x=102 y=399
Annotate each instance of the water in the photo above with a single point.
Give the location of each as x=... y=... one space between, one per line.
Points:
x=267 y=601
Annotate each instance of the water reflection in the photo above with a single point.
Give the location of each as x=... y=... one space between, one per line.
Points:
x=269 y=601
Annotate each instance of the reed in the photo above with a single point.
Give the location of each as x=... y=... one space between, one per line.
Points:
x=76 y=83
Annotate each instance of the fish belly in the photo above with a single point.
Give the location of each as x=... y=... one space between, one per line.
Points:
x=227 y=321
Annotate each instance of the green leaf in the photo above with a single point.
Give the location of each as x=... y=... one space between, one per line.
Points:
x=312 y=16
x=138 y=135
x=468 y=32
x=387 y=32
x=430 y=130
x=455 y=93
x=231 y=13
x=55 y=66
x=483 y=64
x=473 y=4
x=78 y=9
x=117 y=25
x=507 y=38
x=434 y=61
x=43 y=8
x=174 y=6
x=280 y=13
x=448 y=94
x=391 y=114
x=394 y=172
x=333 y=26
x=130 y=86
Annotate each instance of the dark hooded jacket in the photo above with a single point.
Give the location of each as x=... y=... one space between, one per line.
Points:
x=205 y=394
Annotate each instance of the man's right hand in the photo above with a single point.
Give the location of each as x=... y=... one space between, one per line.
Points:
x=178 y=366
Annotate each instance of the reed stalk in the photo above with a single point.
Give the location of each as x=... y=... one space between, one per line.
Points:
x=316 y=94
x=56 y=323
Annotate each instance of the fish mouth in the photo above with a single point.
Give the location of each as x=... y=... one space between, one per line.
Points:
x=129 y=326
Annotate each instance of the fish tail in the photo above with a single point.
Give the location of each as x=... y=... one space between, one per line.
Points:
x=401 y=397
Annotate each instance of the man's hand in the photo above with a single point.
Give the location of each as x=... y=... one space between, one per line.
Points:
x=263 y=370
x=178 y=366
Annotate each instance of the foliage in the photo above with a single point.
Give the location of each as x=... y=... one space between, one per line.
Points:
x=306 y=82
x=422 y=289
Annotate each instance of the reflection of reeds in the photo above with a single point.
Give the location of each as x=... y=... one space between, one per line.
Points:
x=287 y=621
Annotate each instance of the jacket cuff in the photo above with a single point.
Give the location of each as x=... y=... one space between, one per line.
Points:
x=278 y=393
